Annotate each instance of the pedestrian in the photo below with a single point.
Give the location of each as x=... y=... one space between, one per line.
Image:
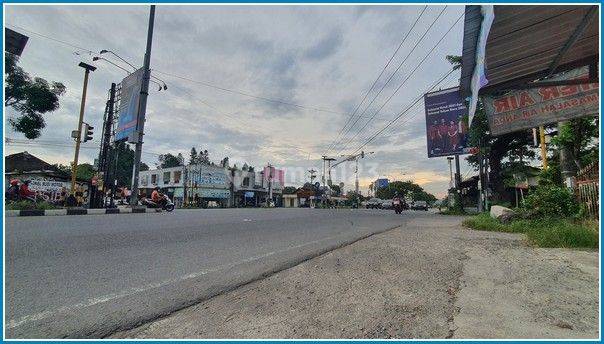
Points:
x=12 y=193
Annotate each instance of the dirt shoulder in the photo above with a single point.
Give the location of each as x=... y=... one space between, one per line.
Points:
x=430 y=279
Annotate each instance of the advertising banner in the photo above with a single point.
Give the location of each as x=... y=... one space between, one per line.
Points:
x=128 y=108
x=446 y=123
x=530 y=108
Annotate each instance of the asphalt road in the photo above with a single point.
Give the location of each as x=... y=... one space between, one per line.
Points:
x=89 y=276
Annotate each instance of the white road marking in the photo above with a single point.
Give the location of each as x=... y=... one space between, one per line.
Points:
x=105 y=298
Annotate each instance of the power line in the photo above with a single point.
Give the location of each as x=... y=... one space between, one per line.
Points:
x=331 y=146
x=392 y=76
x=402 y=112
x=243 y=93
x=404 y=81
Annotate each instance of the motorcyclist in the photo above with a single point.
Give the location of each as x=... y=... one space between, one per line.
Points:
x=396 y=203
x=12 y=194
x=26 y=193
x=158 y=198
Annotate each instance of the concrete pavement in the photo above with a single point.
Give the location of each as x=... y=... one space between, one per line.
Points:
x=429 y=279
x=93 y=275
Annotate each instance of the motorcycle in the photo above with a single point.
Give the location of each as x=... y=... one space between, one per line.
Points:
x=168 y=205
x=397 y=205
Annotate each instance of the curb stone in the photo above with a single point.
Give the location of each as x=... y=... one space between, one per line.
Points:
x=79 y=211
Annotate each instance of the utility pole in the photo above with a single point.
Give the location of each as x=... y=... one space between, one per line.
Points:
x=108 y=125
x=450 y=160
x=457 y=174
x=142 y=109
x=270 y=183
x=543 y=148
x=74 y=168
x=312 y=175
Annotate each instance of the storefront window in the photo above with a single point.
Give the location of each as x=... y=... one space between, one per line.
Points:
x=177 y=177
x=154 y=179
x=166 y=177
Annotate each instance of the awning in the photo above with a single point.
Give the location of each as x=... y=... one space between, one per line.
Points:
x=525 y=43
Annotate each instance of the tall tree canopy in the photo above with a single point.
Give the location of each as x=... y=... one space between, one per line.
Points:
x=169 y=160
x=405 y=189
x=30 y=98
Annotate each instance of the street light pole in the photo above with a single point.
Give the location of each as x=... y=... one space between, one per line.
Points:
x=74 y=168
x=142 y=109
x=450 y=159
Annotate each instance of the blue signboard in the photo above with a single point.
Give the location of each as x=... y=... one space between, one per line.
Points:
x=128 y=108
x=446 y=123
x=382 y=183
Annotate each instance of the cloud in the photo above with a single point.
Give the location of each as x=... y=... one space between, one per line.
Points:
x=322 y=57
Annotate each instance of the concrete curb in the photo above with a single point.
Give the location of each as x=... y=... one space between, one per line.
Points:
x=79 y=211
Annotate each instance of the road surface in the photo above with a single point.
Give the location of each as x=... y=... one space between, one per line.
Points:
x=89 y=276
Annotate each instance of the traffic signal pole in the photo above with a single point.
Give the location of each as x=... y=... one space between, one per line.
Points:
x=74 y=168
x=142 y=109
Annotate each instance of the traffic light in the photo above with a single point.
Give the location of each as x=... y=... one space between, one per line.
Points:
x=87 y=132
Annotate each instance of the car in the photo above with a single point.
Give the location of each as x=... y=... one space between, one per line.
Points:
x=373 y=203
x=419 y=205
x=387 y=204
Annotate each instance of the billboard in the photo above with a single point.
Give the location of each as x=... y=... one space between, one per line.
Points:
x=381 y=183
x=446 y=123
x=533 y=107
x=129 y=103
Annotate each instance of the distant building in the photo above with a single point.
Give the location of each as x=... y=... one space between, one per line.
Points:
x=227 y=187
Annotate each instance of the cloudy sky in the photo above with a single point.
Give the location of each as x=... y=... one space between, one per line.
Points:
x=215 y=58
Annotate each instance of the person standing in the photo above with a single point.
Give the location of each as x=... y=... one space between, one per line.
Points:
x=443 y=130
x=453 y=135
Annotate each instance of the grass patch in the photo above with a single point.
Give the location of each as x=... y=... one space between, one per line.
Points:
x=28 y=205
x=542 y=232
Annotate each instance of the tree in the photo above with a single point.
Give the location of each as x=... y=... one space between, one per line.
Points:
x=169 y=160
x=405 y=189
x=580 y=137
x=31 y=98
x=496 y=148
x=122 y=169
x=85 y=171
x=193 y=159
x=336 y=189
x=225 y=162
x=289 y=190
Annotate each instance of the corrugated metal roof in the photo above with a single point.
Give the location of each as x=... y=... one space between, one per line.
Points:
x=525 y=40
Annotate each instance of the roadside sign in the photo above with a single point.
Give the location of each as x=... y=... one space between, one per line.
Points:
x=446 y=123
x=534 y=107
x=128 y=108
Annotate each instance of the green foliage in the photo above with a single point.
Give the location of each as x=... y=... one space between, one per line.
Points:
x=289 y=190
x=125 y=160
x=551 y=176
x=85 y=171
x=551 y=201
x=30 y=98
x=580 y=136
x=28 y=205
x=336 y=189
x=407 y=188
x=541 y=232
x=169 y=160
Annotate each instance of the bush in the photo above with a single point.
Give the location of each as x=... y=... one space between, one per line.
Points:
x=549 y=201
x=28 y=205
x=541 y=232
